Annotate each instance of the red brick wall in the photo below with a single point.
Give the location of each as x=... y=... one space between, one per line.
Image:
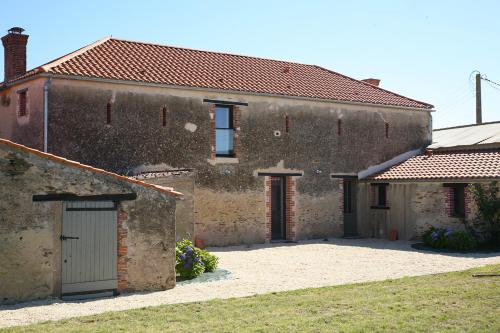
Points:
x=211 y=113
x=341 y=200
x=122 y=251
x=468 y=200
x=15 y=55
x=236 y=126
x=290 y=208
x=268 y=209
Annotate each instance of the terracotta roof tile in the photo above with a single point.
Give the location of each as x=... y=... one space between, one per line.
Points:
x=445 y=165
x=59 y=159
x=142 y=62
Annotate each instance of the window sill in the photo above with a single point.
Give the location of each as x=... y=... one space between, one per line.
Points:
x=223 y=160
x=379 y=207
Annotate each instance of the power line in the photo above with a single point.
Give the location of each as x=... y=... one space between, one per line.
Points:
x=486 y=79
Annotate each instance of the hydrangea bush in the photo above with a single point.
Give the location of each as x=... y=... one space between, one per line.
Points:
x=450 y=239
x=191 y=261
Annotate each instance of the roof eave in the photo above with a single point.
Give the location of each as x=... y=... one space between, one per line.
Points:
x=431 y=180
x=162 y=85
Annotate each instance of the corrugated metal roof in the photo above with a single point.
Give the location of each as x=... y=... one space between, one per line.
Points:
x=470 y=135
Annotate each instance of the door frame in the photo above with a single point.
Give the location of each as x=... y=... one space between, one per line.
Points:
x=283 y=207
x=91 y=286
x=353 y=196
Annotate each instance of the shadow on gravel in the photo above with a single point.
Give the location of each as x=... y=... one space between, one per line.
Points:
x=372 y=243
x=219 y=274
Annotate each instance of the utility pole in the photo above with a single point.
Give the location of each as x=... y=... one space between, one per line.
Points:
x=479 y=116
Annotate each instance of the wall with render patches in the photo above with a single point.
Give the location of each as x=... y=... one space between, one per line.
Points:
x=30 y=248
x=312 y=145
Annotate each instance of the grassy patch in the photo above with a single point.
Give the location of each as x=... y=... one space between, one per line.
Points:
x=451 y=302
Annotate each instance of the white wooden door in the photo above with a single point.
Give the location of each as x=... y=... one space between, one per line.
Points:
x=89 y=246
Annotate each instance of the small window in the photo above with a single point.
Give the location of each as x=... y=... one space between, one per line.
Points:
x=224 y=131
x=164 y=116
x=287 y=123
x=339 y=127
x=23 y=108
x=379 y=199
x=387 y=130
x=347 y=196
x=109 y=108
x=458 y=197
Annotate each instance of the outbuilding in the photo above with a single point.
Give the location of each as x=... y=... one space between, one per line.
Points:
x=432 y=188
x=69 y=229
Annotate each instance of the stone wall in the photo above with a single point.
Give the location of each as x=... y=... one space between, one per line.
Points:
x=431 y=204
x=413 y=209
x=182 y=181
x=30 y=261
x=274 y=133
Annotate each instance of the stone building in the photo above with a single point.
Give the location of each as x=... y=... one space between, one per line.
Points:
x=68 y=228
x=266 y=142
x=432 y=188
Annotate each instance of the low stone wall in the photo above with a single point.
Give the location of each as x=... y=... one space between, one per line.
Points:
x=182 y=181
x=226 y=218
x=30 y=248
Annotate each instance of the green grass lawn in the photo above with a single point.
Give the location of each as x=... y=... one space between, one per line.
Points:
x=452 y=302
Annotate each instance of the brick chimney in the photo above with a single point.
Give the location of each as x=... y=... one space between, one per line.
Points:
x=373 y=82
x=14 y=44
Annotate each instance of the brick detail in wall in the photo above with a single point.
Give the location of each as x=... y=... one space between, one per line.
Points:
x=267 y=181
x=122 y=251
x=448 y=201
x=15 y=55
x=237 y=129
x=341 y=200
x=290 y=208
x=211 y=113
x=468 y=200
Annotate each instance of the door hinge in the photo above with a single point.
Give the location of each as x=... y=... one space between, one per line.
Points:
x=67 y=237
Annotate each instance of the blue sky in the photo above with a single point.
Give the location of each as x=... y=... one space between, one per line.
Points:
x=421 y=49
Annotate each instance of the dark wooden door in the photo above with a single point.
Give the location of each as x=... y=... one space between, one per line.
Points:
x=350 y=218
x=278 y=208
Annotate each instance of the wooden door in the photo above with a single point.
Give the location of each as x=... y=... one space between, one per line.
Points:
x=350 y=211
x=89 y=246
x=278 y=225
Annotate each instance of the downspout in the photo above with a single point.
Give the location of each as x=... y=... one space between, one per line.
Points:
x=46 y=114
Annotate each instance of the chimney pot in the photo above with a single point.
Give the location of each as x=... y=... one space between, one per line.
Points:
x=373 y=82
x=14 y=44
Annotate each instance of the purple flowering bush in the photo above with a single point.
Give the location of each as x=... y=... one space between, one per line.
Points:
x=191 y=261
x=442 y=238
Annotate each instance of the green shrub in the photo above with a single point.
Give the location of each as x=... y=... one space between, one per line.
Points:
x=191 y=261
x=435 y=237
x=460 y=240
x=188 y=261
x=446 y=238
x=210 y=260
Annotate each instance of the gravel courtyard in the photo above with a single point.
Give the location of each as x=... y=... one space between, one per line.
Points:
x=272 y=267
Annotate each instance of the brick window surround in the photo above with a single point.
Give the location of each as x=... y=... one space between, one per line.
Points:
x=450 y=202
x=22 y=103
x=122 y=251
x=236 y=112
x=289 y=207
